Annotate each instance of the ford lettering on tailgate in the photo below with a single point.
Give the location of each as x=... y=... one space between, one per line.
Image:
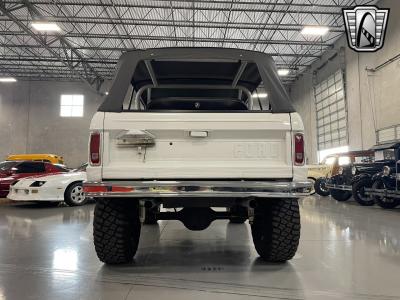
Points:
x=256 y=150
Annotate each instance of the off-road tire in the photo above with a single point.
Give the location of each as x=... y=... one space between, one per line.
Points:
x=116 y=230
x=237 y=212
x=340 y=195
x=276 y=229
x=319 y=187
x=69 y=196
x=383 y=201
x=358 y=188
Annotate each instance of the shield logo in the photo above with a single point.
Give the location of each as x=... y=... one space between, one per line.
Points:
x=365 y=27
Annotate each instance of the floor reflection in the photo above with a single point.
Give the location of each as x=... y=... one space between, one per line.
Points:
x=65 y=259
x=346 y=251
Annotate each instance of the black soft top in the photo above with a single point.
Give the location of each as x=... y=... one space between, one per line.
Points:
x=196 y=66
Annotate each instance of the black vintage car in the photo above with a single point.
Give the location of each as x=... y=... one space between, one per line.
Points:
x=385 y=190
x=353 y=179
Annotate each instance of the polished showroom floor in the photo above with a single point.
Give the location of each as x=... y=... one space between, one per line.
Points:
x=346 y=252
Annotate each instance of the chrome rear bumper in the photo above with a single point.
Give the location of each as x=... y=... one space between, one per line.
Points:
x=238 y=189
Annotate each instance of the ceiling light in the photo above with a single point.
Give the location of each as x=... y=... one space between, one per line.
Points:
x=315 y=30
x=7 y=79
x=45 y=26
x=260 y=95
x=283 y=72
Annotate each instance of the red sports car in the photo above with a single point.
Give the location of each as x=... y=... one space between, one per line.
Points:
x=10 y=171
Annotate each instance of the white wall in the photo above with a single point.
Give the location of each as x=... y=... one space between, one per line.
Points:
x=30 y=120
x=373 y=99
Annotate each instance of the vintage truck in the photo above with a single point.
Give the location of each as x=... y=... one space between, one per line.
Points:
x=182 y=129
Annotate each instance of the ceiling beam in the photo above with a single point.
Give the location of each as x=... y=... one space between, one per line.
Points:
x=180 y=23
x=102 y=48
x=90 y=76
x=178 y=38
x=253 y=6
x=108 y=65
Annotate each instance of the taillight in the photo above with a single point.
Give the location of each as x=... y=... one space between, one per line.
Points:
x=299 y=149
x=94 y=148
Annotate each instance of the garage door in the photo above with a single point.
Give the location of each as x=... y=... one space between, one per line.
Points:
x=331 y=112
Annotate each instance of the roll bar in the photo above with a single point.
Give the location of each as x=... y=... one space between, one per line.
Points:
x=138 y=97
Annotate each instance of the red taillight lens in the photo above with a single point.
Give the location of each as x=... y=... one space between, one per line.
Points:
x=299 y=149
x=94 y=148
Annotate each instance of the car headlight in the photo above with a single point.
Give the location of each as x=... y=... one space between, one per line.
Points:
x=340 y=171
x=38 y=183
x=354 y=170
x=386 y=170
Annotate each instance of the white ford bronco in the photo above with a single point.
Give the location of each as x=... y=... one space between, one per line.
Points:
x=183 y=129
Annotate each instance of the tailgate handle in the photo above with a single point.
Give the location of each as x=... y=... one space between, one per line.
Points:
x=135 y=138
x=198 y=134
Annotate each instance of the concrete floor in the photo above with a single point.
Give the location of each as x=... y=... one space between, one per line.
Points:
x=346 y=252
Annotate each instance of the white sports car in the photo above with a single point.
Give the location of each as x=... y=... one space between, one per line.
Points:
x=55 y=188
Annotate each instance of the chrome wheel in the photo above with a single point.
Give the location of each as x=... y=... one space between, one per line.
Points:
x=77 y=195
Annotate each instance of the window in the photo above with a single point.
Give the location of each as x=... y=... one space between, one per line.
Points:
x=195 y=85
x=344 y=161
x=31 y=167
x=388 y=134
x=71 y=106
x=329 y=161
x=387 y=154
x=330 y=105
x=7 y=165
x=60 y=168
x=363 y=159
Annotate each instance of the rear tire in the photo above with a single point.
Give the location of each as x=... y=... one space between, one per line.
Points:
x=320 y=187
x=74 y=195
x=340 y=195
x=116 y=230
x=382 y=201
x=359 y=192
x=276 y=229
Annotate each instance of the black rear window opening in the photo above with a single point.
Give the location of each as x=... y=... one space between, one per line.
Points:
x=164 y=79
x=193 y=86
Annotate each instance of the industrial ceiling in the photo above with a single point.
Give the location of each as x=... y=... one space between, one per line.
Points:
x=94 y=33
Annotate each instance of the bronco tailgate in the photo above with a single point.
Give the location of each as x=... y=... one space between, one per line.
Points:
x=185 y=145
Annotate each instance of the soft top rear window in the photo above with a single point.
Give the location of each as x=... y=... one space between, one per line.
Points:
x=194 y=86
x=193 y=79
